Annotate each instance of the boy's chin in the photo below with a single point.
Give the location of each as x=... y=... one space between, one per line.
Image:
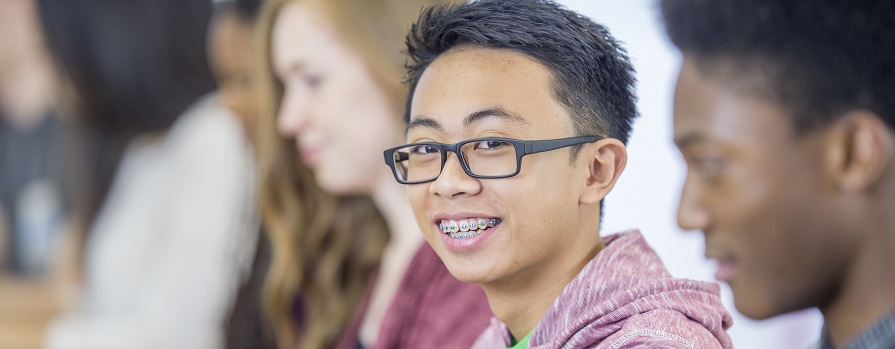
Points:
x=467 y=274
x=755 y=308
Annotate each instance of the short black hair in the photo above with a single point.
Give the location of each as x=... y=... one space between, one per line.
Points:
x=592 y=75
x=816 y=59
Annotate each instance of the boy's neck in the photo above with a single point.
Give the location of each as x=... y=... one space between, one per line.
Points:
x=868 y=292
x=521 y=300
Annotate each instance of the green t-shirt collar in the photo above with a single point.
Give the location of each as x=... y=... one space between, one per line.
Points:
x=523 y=343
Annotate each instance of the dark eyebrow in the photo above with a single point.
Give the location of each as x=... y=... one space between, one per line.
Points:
x=492 y=112
x=422 y=121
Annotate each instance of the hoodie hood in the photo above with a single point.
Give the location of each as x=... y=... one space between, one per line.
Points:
x=625 y=297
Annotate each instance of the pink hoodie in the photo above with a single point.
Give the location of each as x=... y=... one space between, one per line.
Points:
x=624 y=298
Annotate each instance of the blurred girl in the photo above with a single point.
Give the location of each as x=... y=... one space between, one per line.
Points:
x=163 y=173
x=349 y=267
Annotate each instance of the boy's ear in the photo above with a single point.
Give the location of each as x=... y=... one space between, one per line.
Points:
x=859 y=152
x=605 y=160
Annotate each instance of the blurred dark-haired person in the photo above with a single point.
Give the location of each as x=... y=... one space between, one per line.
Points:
x=517 y=120
x=163 y=175
x=784 y=113
x=231 y=57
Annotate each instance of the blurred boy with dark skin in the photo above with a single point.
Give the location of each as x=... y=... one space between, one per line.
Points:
x=784 y=112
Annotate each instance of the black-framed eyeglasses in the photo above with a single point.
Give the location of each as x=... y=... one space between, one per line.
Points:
x=480 y=157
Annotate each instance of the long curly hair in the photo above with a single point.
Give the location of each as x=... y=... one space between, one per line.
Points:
x=324 y=248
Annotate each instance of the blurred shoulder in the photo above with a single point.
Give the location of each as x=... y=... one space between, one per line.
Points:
x=206 y=128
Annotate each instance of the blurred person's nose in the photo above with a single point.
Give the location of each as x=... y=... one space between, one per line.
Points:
x=294 y=116
x=692 y=211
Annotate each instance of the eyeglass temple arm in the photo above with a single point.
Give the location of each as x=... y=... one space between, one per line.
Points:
x=532 y=147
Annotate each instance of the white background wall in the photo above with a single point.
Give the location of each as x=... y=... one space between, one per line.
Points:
x=647 y=193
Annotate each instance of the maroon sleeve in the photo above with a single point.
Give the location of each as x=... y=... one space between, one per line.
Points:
x=432 y=309
x=351 y=337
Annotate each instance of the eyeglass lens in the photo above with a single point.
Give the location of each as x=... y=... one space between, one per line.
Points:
x=483 y=158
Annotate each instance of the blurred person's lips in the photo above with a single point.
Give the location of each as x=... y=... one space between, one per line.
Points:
x=726 y=269
x=310 y=155
x=726 y=264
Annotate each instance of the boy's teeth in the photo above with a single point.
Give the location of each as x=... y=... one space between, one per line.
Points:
x=482 y=223
x=465 y=228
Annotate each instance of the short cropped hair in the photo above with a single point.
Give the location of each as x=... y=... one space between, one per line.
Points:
x=592 y=75
x=816 y=59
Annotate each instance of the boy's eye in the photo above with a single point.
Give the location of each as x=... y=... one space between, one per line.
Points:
x=491 y=144
x=424 y=149
x=709 y=168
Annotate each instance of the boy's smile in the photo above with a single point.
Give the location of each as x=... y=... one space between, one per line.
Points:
x=510 y=231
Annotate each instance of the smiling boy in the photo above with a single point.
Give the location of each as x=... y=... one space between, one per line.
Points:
x=785 y=112
x=517 y=121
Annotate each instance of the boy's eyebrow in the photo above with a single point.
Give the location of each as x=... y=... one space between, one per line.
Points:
x=422 y=121
x=492 y=112
x=688 y=139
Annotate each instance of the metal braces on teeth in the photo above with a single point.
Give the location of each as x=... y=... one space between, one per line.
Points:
x=463 y=226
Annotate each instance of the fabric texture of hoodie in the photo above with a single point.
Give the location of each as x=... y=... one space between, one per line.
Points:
x=625 y=298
